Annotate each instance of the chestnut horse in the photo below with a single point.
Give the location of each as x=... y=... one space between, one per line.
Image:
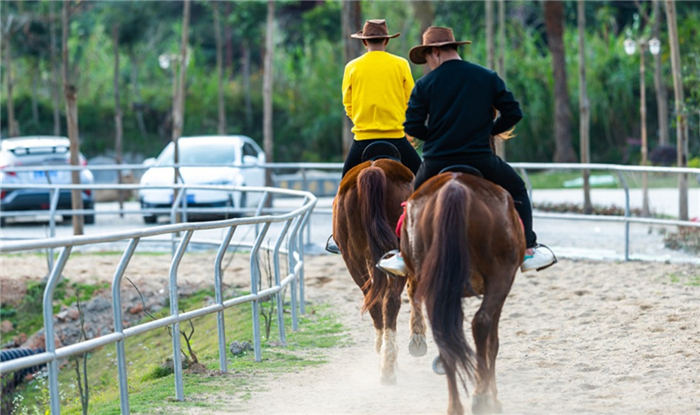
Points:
x=462 y=237
x=365 y=212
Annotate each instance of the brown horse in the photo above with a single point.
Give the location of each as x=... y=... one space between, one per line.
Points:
x=365 y=212
x=462 y=237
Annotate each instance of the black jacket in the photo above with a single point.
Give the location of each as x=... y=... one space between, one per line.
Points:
x=456 y=100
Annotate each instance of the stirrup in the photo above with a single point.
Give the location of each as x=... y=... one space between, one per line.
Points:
x=391 y=271
x=554 y=258
x=332 y=246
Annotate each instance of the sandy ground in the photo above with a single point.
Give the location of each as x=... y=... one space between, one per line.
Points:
x=582 y=337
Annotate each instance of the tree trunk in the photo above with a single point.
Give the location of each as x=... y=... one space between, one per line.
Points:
x=268 y=142
x=554 y=22
x=71 y=93
x=219 y=68
x=118 y=130
x=490 y=60
x=661 y=91
x=425 y=13
x=228 y=36
x=584 y=107
x=55 y=74
x=681 y=116
x=501 y=63
x=35 y=102
x=179 y=101
x=245 y=54
x=11 y=122
x=352 y=48
x=138 y=99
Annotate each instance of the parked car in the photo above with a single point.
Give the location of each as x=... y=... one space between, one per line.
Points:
x=40 y=151
x=217 y=151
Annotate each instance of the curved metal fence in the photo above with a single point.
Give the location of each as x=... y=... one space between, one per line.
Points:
x=288 y=241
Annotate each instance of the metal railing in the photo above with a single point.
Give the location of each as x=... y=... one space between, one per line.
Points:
x=288 y=235
x=302 y=170
x=627 y=218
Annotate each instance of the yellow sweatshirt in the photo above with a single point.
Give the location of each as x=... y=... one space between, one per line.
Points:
x=376 y=89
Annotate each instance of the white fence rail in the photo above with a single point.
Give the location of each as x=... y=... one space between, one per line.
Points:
x=288 y=241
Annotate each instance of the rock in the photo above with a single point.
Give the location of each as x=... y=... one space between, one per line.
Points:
x=97 y=305
x=62 y=316
x=136 y=309
x=6 y=326
x=73 y=314
x=236 y=348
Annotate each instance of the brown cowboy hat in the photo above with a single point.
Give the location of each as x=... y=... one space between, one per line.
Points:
x=433 y=37
x=374 y=29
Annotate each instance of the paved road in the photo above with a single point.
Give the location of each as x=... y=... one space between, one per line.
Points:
x=569 y=238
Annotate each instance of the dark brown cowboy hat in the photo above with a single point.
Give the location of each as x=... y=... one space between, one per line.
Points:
x=374 y=29
x=433 y=37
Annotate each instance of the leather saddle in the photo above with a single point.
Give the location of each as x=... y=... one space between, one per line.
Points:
x=381 y=150
x=462 y=168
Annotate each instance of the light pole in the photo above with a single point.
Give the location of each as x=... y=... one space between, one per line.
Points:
x=654 y=46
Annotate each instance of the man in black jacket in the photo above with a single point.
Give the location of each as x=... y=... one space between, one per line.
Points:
x=451 y=111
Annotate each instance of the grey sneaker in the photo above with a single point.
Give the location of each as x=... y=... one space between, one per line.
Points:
x=542 y=258
x=331 y=246
x=392 y=263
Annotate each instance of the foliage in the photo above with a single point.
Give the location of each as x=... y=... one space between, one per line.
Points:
x=308 y=67
x=686 y=238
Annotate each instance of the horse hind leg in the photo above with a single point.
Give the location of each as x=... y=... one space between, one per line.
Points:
x=418 y=346
x=454 y=405
x=485 y=332
x=389 y=350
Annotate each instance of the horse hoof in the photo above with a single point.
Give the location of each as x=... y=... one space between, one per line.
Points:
x=418 y=346
x=484 y=404
x=438 y=368
x=388 y=380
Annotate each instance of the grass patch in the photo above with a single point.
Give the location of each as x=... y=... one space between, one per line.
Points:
x=151 y=387
x=689 y=280
x=554 y=179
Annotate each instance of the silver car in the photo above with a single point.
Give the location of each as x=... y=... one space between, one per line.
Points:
x=39 y=151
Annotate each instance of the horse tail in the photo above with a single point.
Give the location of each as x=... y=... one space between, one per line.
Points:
x=444 y=277
x=372 y=186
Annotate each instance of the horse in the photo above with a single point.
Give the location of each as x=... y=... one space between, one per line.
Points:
x=365 y=212
x=462 y=237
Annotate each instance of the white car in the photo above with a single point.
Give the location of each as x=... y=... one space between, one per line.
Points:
x=217 y=151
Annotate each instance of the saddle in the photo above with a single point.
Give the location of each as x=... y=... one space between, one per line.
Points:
x=381 y=150
x=462 y=168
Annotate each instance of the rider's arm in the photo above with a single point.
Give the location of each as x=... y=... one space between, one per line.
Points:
x=508 y=107
x=416 y=114
x=347 y=93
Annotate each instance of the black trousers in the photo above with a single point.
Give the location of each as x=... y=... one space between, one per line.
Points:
x=495 y=170
x=409 y=156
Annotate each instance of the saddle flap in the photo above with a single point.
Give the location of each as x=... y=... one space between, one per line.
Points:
x=462 y=168
x=381 y=150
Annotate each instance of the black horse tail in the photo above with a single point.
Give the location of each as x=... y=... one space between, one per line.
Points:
x=445 y=276
x=371 y=188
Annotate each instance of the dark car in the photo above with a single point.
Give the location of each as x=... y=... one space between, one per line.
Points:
x=39 y=151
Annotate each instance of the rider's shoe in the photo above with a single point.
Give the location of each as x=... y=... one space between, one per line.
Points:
x=331 y=246
x=392 y=263
x=542 y=257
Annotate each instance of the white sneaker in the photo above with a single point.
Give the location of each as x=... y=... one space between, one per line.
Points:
x=541 y=258
x=392 y=263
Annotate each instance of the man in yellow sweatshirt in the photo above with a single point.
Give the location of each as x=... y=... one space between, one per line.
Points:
x=376 y=90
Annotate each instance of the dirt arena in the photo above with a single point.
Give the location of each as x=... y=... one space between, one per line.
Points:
x=579 y=338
